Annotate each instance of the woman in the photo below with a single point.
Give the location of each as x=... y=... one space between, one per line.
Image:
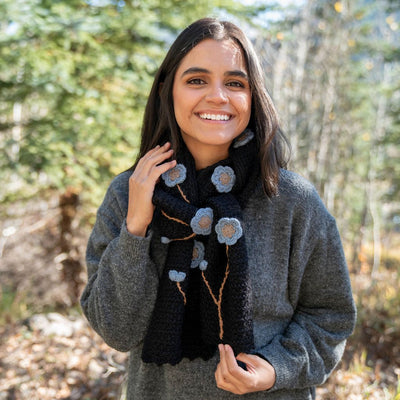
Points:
x=221 y=272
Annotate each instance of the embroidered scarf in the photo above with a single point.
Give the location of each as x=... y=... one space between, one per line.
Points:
x=204 y=295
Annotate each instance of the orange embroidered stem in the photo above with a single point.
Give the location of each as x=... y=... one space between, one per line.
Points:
x=173 y=219
x=218 y=302
x=209 y=289
x=185 y=238
x=182 y=292
x=182 y=194
x=221 y=323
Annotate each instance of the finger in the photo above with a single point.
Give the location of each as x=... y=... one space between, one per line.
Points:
x=223 y=361
x=233 y=368
x=221 y=381
x=149 y=165
x=158 y=150
x=158 y=170
x=152 y=152
x=221 y=352
x=156 y=157
x=228 y=380
x=249 y=359
x=147 y=155
x=221 y=371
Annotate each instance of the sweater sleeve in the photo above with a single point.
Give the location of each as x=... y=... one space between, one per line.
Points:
x=313 y=342
x=122 y=278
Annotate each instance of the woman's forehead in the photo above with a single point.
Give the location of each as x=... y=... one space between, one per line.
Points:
x=221 y=54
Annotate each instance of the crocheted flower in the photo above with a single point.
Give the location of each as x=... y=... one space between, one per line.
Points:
x=203 y=265
x=176 y=276
x=201 y=223
x=174 y=176
x=228 y=230
x=243 y=139
x=198 y=254
x=223 y=179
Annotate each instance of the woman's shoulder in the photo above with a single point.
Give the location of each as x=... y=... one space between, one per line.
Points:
x=121 y=181
x=295 y=194
x=301 y=194
x=294 y=185
x=118 y=191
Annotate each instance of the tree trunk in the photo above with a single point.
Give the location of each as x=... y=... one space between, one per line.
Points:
x=72 y=266
x=374 y=182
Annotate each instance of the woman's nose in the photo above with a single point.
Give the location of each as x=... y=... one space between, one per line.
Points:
x=217 y=94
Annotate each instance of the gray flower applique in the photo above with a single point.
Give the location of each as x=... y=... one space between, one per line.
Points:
x=223 y=178
x=228 y=230
x=174 y=176
x=203 y=265
x=176 y=276
x=198 y=254
x=201 y=223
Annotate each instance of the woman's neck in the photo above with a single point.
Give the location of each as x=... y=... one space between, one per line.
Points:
x=204 y=156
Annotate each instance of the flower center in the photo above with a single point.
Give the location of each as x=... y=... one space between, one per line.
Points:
x=228 y=231
x=224 y=178
x=195 y=253
x=174 y=174
x=204 y=222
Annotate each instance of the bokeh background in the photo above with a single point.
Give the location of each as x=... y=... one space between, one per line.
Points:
x=74 y=77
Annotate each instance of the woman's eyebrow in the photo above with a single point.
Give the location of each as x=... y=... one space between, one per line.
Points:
x=237 y=72
x=197 y=70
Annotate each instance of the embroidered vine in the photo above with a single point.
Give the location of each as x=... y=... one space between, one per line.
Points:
x=218 y=302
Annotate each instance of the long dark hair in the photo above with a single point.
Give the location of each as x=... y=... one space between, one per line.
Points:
x=159 y=124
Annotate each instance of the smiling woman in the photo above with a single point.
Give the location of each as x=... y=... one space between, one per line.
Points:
x=220 y=271
x=212 y=99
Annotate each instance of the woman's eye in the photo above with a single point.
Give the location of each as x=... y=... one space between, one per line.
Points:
x=195 y=81
x=235 y=84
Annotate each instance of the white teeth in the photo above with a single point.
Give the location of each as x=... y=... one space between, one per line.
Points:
x=215 y=117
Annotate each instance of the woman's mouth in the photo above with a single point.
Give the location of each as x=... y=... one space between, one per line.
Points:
x=215 y=117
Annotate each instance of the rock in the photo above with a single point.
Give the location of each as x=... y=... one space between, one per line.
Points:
x=55 y=324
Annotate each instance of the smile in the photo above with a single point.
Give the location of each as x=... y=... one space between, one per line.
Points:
x=215 y=117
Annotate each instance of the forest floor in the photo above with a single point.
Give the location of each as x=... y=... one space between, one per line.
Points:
x=48 y=351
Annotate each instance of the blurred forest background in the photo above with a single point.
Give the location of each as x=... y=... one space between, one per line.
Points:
x=74 y=76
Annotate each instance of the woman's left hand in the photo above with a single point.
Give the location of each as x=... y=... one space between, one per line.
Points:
x=260 y=374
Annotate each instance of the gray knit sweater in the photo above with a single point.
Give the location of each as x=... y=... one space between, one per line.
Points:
x=302 y=301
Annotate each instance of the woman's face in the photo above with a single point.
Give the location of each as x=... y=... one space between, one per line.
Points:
x=212 y=97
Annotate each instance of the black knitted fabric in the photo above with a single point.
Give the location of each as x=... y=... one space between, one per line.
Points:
x=205 y=302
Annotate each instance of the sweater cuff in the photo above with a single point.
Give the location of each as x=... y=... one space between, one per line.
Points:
x=283 y=374
x=134 y=245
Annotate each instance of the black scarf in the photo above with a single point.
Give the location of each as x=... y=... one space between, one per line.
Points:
x=204 y=295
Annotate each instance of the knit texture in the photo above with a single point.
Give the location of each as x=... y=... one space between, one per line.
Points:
x=204 y=296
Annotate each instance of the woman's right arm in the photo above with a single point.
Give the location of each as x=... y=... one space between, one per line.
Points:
x=122 y=278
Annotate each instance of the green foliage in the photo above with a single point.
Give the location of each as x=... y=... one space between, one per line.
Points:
x=11 y=306
x=74 y=78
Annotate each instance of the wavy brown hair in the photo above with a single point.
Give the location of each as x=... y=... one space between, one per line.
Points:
x=160 y=126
